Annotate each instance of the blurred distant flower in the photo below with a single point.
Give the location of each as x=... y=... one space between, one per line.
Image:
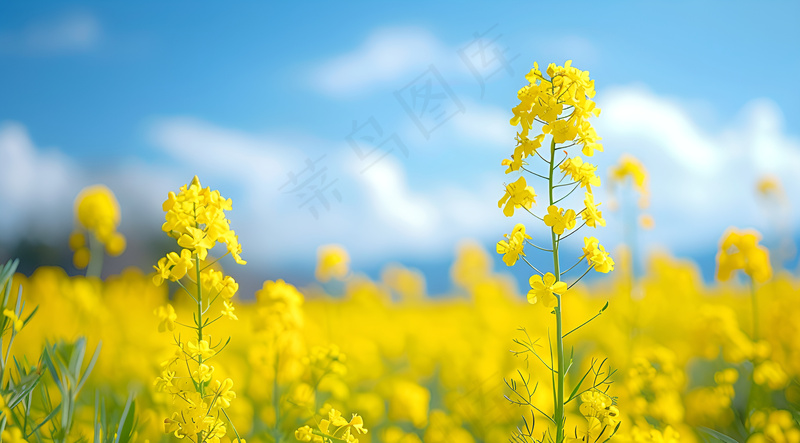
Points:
x=740 y=250
x=332 y=262
x=630 y=166
x=769 y=186
x=97 y=214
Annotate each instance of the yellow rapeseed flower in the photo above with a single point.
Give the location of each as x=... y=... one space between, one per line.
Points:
x=518 y=195
x=559 y=219
x=544 y=289
x=512 y=246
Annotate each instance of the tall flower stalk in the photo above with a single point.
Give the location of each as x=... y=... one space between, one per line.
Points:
x=559 y=106
x=195 y=217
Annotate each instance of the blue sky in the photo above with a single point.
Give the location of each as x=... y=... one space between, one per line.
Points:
x=143 y=96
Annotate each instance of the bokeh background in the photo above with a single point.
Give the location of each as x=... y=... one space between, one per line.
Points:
x=381 y=128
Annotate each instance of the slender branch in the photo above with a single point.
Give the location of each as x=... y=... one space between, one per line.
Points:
x=579 y=278
x=568 y=146
x=531 y=213
x=531 y=172
x=538 y=247
x=574 y=231
x=573 y=266
x=584 y=323
x=540 y=156
x=529 y=264
x=566 y=156
x=570 y=192
x=215 y=261
x=186 y=290
x=567 y=184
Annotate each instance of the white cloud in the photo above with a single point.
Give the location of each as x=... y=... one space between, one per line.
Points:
x=487 y=125
x=387 y=55
x=664 y=124
x=215 y=151
x=32 y=184
x=38 y=189
x=75 y=32
x=702 y=181
x=394 y=203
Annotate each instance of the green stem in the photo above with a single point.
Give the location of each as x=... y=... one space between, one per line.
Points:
x=199 y=326
x=199 y=308
x=276 y=393
x=95 y=266
x=755 y=309
x=559 y=406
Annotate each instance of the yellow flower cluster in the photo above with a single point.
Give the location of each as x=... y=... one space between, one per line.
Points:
x=280 y=308
x=562 y=105
x=740 y=250
x=195 y=217
x=630 y=166
x=596 y=255
x=773 y=426
x=335 y=428
x=543 y=100
x=326 y=359
x=333 y=262
x=97 y=215
x=598 y=405
x=650 y=435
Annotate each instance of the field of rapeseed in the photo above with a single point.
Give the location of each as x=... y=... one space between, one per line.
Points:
x=175 y=352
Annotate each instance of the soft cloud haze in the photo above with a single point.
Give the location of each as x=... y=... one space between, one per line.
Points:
x=70 y=33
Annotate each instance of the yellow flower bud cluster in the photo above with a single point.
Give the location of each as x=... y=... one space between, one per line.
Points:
x=97 y=215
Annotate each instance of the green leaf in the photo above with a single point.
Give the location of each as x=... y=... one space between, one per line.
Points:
x=718 y=435
x=46 y=419
x=578 y=386
x=96 y=413
x=26 y=384
x=126 y=422
x=48 y=361
x=89 y=368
